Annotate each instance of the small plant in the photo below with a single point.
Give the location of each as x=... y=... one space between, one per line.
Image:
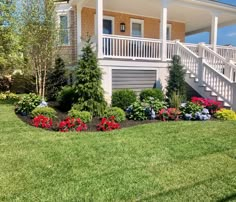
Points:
x=117 y=112
x=226 y=114
x=28 y=103
x=175 y=100
x=66 y=98
x=72 y=124
x=153 y=92
x=137 y=111
x=169 y=114
x=10 y=98
x=123 y=98
x=211 y=105
x=190 y=108
x=85 y=116
x=46 y=111
x=108 y=124
x=41 y=121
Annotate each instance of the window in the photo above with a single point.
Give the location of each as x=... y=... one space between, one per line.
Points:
x=137 y=28
x=168 y=32
x=64 y=30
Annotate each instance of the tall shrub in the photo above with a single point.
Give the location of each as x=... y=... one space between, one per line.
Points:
x=176 y=81
x=56 y=79
x=88 y=82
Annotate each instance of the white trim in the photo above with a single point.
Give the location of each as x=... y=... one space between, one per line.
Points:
x=138 y=21
x=79 y=30
x=67 y=14
x=106 y=17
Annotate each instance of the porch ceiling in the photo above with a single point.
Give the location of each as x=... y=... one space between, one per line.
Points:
x=196 y=14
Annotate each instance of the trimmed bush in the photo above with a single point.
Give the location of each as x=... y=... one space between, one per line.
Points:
x=45 y=111
x=9 y=98
x=66 y=98
x=226 y=114
x=85 y=116
x=117 y=112
x=23 y=83
x=152 y=92
x=28 y=103
x=123 y=98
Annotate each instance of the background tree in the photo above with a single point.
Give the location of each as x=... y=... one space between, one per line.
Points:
x=88 y=84
x=11 y=56
x=176 y=82
x=56 y=79
x=39 y=36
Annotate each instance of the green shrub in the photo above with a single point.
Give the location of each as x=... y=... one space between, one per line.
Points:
x=191 y=108
x=175 y=100
x=137 y=111
x=88 y=83
x=117 y=112
x=46 y=111
x=9 y=98
x=123 y=98
x=56 y=79
x=28 y=103
x=5 y=83
x=66 y=98
x=85 y=116
x=152 y=92
x=226 y=114
x=23 y=83
x=155 y=104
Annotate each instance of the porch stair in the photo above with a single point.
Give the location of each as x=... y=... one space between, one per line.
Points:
x=210 y=76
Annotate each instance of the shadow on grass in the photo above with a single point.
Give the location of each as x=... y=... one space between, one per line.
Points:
x=231 y=197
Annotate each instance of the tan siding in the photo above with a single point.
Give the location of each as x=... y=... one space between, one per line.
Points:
x=151 y=25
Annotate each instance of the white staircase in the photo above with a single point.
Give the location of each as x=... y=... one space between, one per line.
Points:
x=208 y=73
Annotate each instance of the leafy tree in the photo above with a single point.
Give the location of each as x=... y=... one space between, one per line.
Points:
x=88 y=82
x=39 y=36
x=176 y=81
x=10 y=50
x=56 y=79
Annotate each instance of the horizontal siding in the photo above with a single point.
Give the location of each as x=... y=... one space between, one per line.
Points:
x=133 y=79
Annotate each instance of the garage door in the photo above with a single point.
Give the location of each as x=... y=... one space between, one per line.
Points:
x=133 y=79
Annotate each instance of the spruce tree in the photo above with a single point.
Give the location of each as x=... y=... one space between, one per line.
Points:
x=88 y=83
x=176 y=81
x=56 y=79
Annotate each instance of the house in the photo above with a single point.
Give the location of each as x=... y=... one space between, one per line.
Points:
x=136 y=39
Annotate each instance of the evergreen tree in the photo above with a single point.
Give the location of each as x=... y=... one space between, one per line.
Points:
x=88 y=82
x=176 y=81
x=56 y=79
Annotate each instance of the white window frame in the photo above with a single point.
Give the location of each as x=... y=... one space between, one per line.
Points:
x=59 y=14
x=169 y=26
x=138 y=21
x=105 y=17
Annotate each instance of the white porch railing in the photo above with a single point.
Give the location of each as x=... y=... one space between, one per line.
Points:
x=126 y=47
x=208 y=76
x=228 y=52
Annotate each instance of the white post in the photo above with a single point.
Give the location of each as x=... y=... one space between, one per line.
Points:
x=214 y=30
x=163 y=29
x=79 y=30
x=234 y=97
x=99 y=26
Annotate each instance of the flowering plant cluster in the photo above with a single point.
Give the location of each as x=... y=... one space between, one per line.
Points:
x=169 y=114
x=211 y=105
x=108 y=124
x=72 y=124
x=41 y=121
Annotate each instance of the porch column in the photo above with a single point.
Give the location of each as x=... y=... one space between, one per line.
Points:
x=99 y=26
x=163 y=28
x=214 y=30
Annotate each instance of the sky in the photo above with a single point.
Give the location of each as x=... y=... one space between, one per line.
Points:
x=226 y=35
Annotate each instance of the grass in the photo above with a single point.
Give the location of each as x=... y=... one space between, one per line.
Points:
x=175 y=161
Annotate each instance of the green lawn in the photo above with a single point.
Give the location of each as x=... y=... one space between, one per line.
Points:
x=175 y=161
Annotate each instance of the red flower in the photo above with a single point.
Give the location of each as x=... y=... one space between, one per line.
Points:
x=42 y=122
x=71 y=124
x=108 y=124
